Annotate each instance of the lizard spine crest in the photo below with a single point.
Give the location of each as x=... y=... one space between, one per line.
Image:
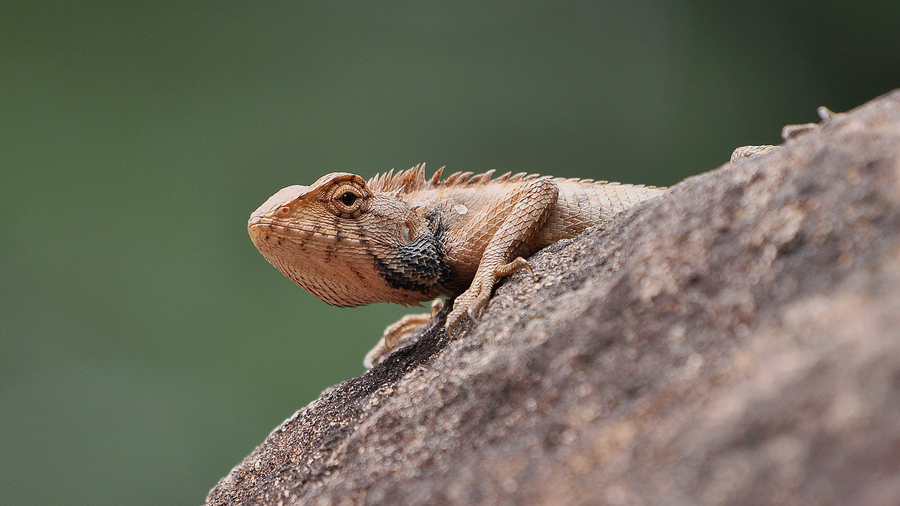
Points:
x=412 y=180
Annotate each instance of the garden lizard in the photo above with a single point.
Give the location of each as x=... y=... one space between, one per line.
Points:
x=406 y=239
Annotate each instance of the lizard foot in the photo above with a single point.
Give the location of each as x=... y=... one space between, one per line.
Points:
x=788 y=132
x=400 y=334
x=750 y=151
x=474 y=299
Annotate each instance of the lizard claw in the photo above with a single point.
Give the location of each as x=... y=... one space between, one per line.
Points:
x=476 y=297
x=464 y=305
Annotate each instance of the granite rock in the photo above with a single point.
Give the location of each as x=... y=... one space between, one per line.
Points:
x=734 y=341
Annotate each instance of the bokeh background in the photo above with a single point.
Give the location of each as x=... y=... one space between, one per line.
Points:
x=146 y=347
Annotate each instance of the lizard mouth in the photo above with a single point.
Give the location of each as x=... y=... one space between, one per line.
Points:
x=302 y=255
x=272 y=232
x=267 y=228
x=278 y=242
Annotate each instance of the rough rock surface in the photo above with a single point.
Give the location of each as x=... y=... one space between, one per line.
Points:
x=735 y=341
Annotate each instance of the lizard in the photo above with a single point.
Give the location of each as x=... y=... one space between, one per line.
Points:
x=402 y=238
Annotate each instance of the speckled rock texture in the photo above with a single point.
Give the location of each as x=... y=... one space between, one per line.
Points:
x=734 y=341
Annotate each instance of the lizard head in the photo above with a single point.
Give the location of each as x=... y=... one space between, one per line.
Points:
x=330 y=238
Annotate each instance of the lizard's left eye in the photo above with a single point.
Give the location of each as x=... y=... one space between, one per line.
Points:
x=348 y=198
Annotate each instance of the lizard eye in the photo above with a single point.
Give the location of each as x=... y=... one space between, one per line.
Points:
x=347 y=199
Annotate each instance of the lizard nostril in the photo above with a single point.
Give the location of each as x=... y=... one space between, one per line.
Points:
x=284 y=210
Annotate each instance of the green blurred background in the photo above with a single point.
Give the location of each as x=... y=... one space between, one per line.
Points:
x=146 y=347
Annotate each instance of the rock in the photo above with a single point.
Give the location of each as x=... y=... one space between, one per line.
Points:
x=734 y=341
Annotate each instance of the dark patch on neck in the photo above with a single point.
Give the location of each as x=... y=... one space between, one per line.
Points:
x=419 y=266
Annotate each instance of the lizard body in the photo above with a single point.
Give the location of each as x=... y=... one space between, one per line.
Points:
x=404 y=239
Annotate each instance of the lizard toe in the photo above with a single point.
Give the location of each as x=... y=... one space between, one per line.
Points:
x=476 y=305
x=452 y=321
x=469 y=303
x=511 y=267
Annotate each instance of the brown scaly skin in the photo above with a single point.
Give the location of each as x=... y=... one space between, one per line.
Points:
x=401 y=238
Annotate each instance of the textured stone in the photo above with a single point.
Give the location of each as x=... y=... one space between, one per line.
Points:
x=736 y=340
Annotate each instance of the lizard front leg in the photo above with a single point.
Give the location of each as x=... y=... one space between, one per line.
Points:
x=400 y=334
x=530 y=207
